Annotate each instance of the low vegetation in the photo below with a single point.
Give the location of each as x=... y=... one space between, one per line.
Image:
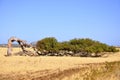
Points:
x=85 y=47
x=104 y=71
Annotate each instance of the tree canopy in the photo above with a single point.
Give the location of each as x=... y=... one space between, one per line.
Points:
x=76 y=45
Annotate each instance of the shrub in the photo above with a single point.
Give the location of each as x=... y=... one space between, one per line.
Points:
x=50 y=44
x=75 y=45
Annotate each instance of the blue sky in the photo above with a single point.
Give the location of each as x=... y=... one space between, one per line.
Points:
x=33 y=20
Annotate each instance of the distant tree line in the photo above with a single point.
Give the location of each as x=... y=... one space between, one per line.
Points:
x=51 y=45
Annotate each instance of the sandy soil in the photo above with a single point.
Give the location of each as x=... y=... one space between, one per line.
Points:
x=34 y=68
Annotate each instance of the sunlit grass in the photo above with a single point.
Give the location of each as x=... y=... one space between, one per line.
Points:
x=90 y=68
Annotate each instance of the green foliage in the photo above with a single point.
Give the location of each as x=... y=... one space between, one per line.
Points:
x=65 y=46
x=75 y=45
x=91 y=46
x=49 y=44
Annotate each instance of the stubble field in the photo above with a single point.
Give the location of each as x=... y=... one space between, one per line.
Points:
x=58 y=68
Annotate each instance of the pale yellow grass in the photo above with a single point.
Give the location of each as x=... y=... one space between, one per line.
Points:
x=23 y=64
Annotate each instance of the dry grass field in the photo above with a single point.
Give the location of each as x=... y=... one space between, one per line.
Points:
x=58 y=68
